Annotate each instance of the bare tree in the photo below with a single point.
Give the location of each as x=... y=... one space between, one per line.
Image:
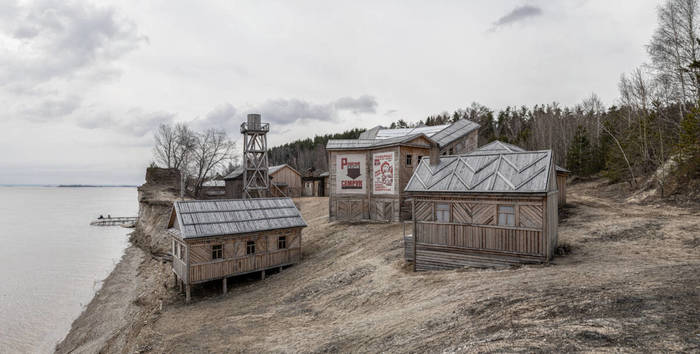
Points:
x=165 y=145
x=212 y=149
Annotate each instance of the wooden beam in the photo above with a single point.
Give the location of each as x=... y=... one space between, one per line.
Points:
x=223 y=282
x=187 y=293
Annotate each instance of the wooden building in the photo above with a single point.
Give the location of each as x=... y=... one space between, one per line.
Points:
x=367 y=176
x=213 y=189
x=315 y=184
x=287 y=181
x=234 y=184
x=486 y=209
x=499 y=146
x=217 y=239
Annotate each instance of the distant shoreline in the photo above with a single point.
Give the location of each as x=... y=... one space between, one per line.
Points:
x=72 y=185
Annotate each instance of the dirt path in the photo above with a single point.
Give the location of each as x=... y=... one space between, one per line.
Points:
x=630 y=283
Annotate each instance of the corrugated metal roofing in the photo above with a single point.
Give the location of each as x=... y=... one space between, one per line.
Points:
x=499 y=146
x=454 y=131
x=503 y=172
x=393 y=133
x=202 y=218
x=351 y=144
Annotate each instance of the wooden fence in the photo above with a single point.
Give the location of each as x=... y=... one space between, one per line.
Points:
x=229 y=267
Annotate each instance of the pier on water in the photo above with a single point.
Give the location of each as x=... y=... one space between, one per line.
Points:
x=126 y=221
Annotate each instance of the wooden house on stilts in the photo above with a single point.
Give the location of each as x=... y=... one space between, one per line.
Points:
x=217 y=239
x=487 y=209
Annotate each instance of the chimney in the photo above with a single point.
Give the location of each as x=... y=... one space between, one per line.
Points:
x=434 y=154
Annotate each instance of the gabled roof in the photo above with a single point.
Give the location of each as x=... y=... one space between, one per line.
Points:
x=499 y=146
x=235 y=174
x=454 y=131
x=393 y=133
x=203 y=218
x=504 y=172
x=214 y=183
x=353 y=144
x=274 y=169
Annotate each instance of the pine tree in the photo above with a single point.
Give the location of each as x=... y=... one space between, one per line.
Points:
x=578 y=157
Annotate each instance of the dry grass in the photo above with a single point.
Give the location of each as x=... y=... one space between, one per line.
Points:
x=628 y=282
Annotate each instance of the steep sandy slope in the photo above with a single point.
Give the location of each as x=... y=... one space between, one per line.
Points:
x=630 y=283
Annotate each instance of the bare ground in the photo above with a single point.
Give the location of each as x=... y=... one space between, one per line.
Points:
x=629 y=281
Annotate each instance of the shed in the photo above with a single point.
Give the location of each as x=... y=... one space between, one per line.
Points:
x=217 y=239
x=485 y=209
x=286 y=179
x=499 y=146
x=212 y=189
x=315 y=183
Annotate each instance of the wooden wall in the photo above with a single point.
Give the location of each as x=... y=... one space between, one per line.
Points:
x=561 y=185
x=472 y=236
x=202 y=268
x=234 y=188
x=370 y=206
x=291 y=178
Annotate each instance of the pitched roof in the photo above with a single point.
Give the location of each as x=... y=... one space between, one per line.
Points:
x=235 y=174
x=352 y=144
x=454 y=131
x=499 y=146
x=202 y=218
x=503 y=172
x=274 y=169
x=214 y=183
x=442 y=134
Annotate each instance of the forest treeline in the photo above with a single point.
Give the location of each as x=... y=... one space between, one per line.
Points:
x=653 y=128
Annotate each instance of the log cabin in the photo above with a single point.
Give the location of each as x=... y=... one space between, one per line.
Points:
x=218 y=239
x=488 y=209
x=499 y=146
x=368 y=175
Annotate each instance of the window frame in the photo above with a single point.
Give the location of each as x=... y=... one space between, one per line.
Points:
x=441 y=212
x=409 y=160
x=248 y=245
x=217 y=251
x=282 y=242
x=508 y=215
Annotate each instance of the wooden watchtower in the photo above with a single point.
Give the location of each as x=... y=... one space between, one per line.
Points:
x=256 y=183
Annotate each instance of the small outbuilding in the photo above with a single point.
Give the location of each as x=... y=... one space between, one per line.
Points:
x=315 y=183
x=485 y=209
x=212 y=189
x=286 y=181
x=217 y=239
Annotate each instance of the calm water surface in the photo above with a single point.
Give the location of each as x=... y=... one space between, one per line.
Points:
x=51 y=261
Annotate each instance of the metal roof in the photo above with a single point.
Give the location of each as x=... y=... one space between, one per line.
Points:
x=442 y=134
x=235 y=174
x=454 y=131
x=214 y=183
x=202 y=218
x=502 y=172
x=353 y=144
x=499 y=146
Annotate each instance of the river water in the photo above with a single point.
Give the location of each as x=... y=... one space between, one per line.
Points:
x=52 y=261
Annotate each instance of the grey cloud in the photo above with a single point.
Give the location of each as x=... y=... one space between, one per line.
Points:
x=47 y=109
x=362 y=104
x=60 y=39
x=286 y=111
x=518 y=14
x=224 y=116
x=134 y=123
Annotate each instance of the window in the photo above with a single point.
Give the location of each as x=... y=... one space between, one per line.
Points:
x=217 y=251
x=250 y=247
x=452 y=151
x=409 y=160
x=506 y=215
x=282 y=242
x=442 y=212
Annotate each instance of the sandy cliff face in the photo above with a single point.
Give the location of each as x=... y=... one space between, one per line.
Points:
x=156 y=199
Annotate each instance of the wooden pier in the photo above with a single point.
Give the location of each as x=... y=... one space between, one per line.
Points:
x=125 y=221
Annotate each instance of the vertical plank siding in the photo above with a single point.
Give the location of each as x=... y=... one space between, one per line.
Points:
x=242 y=265
x=473 y=237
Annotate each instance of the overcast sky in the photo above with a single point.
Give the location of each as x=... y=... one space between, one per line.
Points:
x=84 y=84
